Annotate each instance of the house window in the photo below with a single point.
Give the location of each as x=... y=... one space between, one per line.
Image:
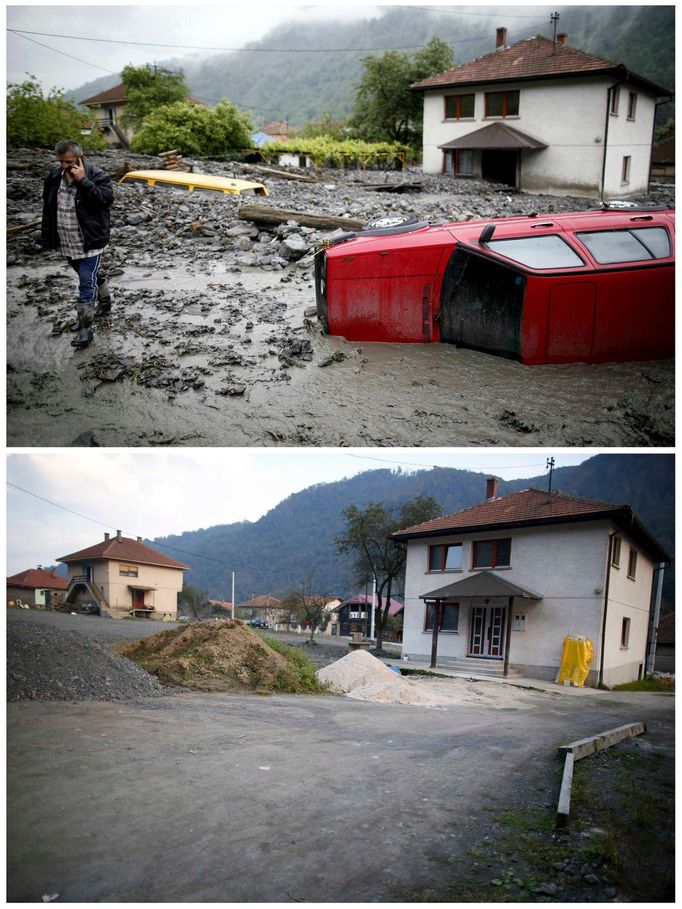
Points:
x=615 y=97
x=632 y=106
x=625 y=634
x=502 y=104
x=492 y=553
x=127 y=571
x=458 y=107
x=445 y=558
x=615 y=552
x=449 y=617
x=519 y=621
x=632 y=564
x=625 y=175
x=459 y=162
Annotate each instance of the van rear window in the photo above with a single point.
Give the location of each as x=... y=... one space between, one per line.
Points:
x=634 y=245
x=547 y=251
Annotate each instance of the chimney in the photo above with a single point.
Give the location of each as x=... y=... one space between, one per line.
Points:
x=139 y=539
x=118 y=535
x=562 y=38
x=40 y=567
x=501 y=38
x=491 y=488
x=106 y=537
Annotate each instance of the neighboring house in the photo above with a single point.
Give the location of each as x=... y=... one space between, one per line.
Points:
x=665 y=644
x=354 y=614
x=122 y=577
x=663 y=161
x=108 y=106
x=512 y=577
x=258 y=607
x=543 y=117
x=36 y=587
x=221 y=606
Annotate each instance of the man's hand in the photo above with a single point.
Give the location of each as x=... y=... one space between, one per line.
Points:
x=78 y=170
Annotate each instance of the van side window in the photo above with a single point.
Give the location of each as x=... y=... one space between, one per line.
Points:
x=547 y=251
x=632 y=245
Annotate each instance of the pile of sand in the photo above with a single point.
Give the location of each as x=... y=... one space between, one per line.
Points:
x=362 y=676
x=211 y=656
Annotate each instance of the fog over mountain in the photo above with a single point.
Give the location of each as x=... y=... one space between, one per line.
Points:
x=300 y=72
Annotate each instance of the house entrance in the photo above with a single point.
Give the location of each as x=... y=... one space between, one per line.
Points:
x=499 y=166
x=486 y=634
x=138 y=599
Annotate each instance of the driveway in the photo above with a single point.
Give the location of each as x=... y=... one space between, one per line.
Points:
x=204 y=797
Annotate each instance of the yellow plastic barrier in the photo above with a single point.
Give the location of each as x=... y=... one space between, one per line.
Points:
x=575 y=661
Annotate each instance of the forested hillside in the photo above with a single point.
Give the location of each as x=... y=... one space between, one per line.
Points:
x=300 y=73
x=295 y=540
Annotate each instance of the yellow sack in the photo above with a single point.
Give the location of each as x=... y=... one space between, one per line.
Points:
x=575 y=661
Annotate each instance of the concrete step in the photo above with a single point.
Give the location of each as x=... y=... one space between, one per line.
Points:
x=476 y=667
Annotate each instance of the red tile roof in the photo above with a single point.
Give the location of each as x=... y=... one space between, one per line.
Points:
x=109 y=96
x=535 y=506
x=278 y=128
x=123 y=550
x=37 y=578
x=666 y=629
x=532 y=58
x=261 y=602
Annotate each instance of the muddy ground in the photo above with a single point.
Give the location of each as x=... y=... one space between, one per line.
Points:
x=213 y=339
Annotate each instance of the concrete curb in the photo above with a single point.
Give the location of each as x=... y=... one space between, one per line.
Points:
x=583 y=748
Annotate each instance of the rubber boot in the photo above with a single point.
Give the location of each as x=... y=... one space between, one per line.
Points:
x=86 y=314
x=104 y=300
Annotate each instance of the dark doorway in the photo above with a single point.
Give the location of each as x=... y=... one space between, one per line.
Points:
x=499 y=166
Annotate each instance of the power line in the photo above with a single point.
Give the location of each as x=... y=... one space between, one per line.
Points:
x=63 y=53
x=86 y=517
x=426 y=466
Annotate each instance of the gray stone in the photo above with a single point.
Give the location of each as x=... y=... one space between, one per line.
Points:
x=292 y=248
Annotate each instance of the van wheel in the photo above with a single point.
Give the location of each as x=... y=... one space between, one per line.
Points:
x=389 y=221
x=382 y=227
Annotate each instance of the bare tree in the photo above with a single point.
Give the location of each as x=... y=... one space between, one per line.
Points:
x=307 y=606
x=194 y=602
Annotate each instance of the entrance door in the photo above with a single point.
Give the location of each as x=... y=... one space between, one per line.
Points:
x=138 y=599
x=499 y=166
x=486 y=636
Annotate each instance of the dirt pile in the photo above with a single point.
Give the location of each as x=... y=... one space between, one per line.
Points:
x=212 y=656
x=365 y=678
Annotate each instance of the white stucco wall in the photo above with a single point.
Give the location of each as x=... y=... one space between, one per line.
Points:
x=569 y=115
x=167 y=583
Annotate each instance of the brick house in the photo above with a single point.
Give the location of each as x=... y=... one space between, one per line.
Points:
x=510 y=578
x=496 y=118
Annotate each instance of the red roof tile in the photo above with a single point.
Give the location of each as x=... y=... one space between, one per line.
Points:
x=528 y=505
x=37 y=578
x=108 y=96
x=666 y=629
x=261 y=602
x=532 y=58
x=124 y=550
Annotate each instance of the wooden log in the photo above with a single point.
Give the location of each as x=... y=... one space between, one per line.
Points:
x=267 y=215
x=20 y=227
x=276 y=172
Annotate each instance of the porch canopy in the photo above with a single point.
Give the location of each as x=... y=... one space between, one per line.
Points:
x=139 y=587
x=495 y=136
x=480 y=586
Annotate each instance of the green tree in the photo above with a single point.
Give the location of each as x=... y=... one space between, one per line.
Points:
x=667 y=131
x=41 y=121
x=194 y=130
x=327 y=126
x=377 y=557
x=193 y=602
x=147 y=89
x=384 y=107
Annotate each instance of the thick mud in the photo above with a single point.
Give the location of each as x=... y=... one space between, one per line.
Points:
x=207 y=346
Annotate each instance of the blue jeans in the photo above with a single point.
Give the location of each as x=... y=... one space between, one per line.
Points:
x=88 y=277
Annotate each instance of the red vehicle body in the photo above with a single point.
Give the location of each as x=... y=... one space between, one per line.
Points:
x=592 y=286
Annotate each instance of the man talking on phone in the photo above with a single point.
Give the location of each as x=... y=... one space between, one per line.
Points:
x=76 y=201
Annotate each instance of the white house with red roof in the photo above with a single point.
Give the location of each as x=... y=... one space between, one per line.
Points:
x=36 y=587
x=511 y=578
x=121 y=577
x=542 y=116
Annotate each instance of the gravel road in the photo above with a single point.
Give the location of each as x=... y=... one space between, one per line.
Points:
x=213 y=338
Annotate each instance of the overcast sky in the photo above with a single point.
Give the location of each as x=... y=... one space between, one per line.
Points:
x=152 y=493
x=220 y=25
x=75 y=58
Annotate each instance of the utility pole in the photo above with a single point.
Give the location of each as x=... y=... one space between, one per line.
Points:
x=550 y=465
x=232 y=594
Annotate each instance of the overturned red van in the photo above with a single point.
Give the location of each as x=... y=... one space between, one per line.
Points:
x=593 y=286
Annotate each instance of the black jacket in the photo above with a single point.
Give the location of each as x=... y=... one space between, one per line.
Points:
x=94 y=195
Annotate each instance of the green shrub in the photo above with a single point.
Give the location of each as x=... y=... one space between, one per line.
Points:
x=37 y=121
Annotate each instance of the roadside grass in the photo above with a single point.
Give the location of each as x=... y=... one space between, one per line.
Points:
x=650 y=684
x=302 y=675
x=619 y=845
